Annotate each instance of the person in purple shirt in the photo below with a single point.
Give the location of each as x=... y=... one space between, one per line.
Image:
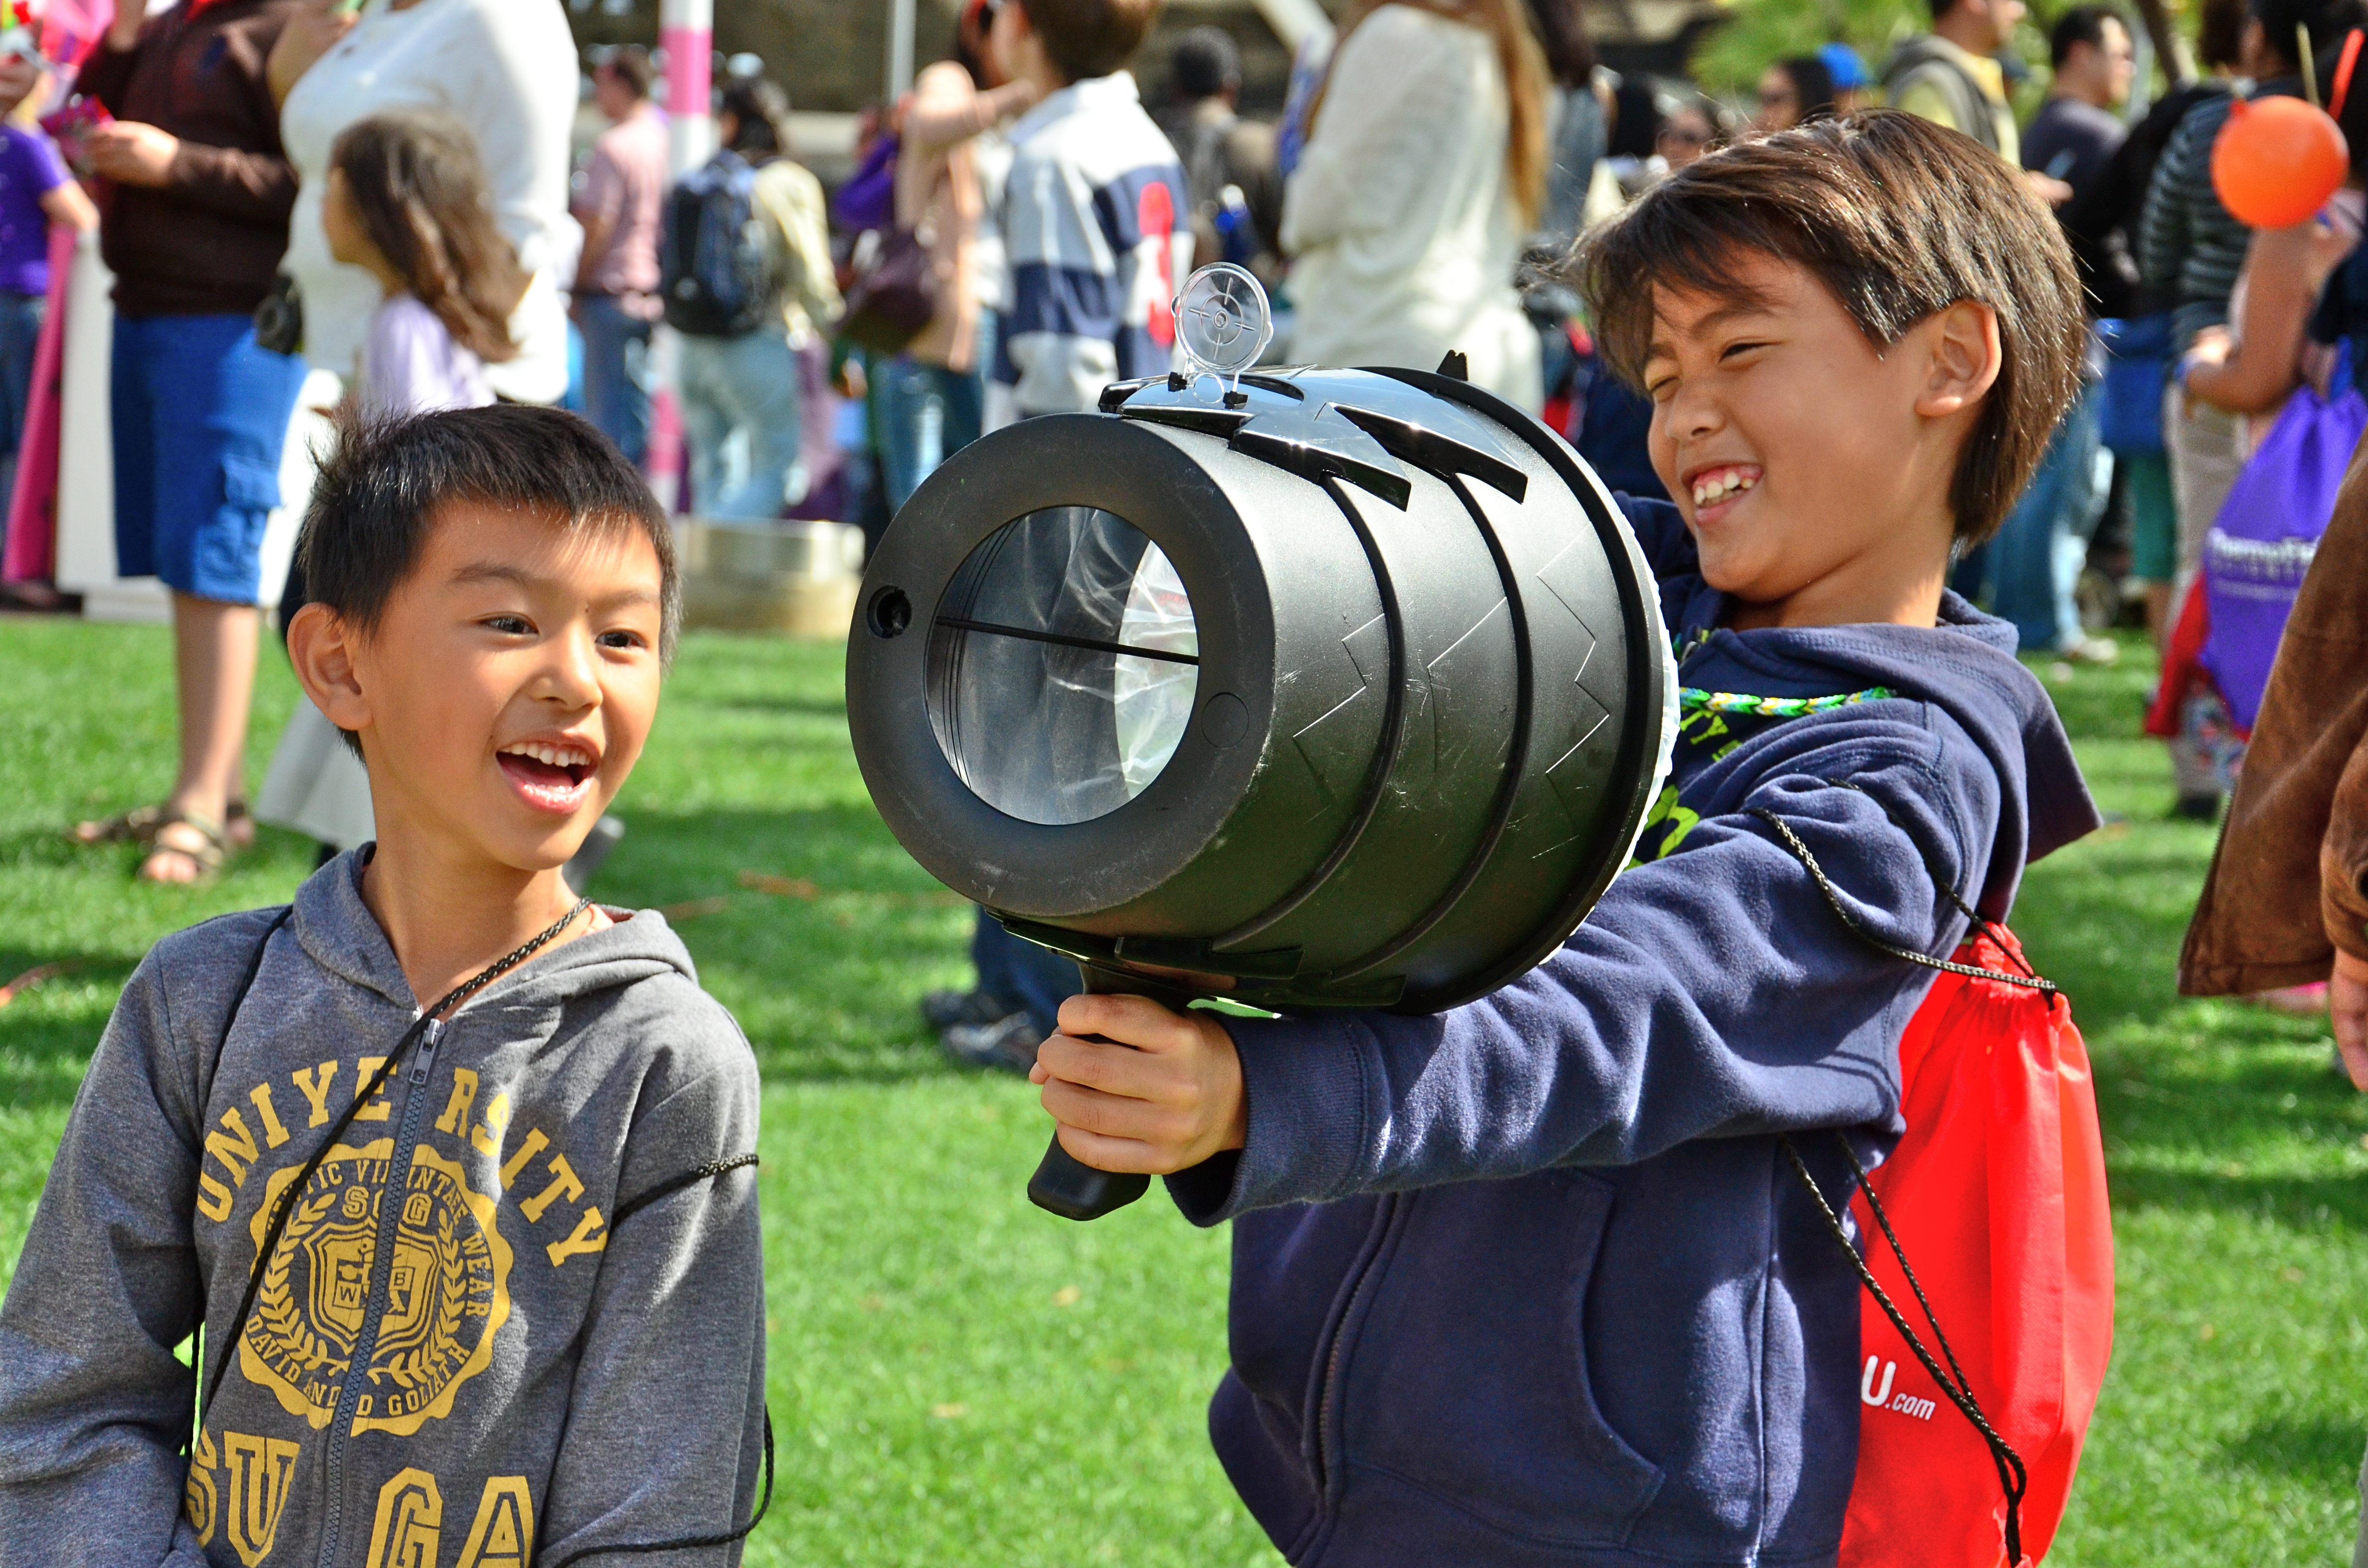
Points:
x=35 y=191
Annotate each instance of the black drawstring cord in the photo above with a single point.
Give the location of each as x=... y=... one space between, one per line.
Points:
x=1800 y=853
x=289 y=1194
x=673 y=1185
x=625 y=1210
x=689 y=1543
x=2012 y=1473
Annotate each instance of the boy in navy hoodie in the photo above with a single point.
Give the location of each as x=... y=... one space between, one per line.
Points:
x=1530 y=1282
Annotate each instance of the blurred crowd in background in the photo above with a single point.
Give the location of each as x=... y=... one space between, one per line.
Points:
x=440 y=203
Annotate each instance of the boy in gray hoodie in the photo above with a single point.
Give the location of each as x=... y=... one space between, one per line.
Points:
x=482 y=1276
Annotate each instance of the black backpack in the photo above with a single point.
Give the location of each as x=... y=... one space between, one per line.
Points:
x=718 y=273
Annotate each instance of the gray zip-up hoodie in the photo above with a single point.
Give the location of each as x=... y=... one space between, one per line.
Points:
x=551 y=1364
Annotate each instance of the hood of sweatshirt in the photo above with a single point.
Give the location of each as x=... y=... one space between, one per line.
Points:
x=339 y=933
x=1964 y=666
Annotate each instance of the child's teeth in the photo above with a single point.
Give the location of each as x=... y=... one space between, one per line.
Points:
x=1721 y=486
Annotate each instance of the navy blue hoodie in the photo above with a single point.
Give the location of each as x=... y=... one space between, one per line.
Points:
x=1529 y=1283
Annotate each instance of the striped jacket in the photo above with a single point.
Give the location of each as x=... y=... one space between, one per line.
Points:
x=2189 y=246
x=1094 y=225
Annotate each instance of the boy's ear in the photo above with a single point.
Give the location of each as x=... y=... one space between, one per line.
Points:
x=1966 y=358
x=321 y=644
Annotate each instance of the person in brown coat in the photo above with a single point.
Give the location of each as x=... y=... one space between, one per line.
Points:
x=2287 y=900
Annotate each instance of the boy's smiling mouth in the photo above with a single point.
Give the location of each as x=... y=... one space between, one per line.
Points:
x=553 y=775
x=1716 y=488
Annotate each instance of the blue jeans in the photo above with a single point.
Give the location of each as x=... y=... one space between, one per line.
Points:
x=199 y=415
x=927 y=414
x=616 y=372
x=748 y=387
x=20 y=335
x=1036 y=978
x=2037 y=556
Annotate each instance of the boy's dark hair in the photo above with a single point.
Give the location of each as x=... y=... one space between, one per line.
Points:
x=629 y=63
x=2082 y=23
x=380 y=492
x=419 y=190
x=1083 y=39
x=1898 y=218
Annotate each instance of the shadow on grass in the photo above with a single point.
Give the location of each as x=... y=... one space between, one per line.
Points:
x=2322 y=1450
x=48 y=1032
x=49 y=846
x=2302 y=1202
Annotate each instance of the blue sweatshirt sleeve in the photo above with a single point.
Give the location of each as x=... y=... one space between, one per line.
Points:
x=1712 y=993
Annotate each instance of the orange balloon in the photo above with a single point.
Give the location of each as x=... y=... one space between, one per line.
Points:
x=2277 y=161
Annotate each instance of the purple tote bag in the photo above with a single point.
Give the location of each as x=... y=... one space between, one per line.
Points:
x=2262 y=541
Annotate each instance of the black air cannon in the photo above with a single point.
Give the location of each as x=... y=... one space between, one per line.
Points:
x=1307 y=688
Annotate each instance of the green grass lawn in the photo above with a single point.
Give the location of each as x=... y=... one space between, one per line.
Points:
x=958 y=1379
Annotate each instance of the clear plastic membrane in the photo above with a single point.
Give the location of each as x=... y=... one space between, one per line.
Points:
x=1064 y=666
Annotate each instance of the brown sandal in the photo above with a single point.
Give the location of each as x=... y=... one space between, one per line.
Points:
x=139 y=825
x=207 y=857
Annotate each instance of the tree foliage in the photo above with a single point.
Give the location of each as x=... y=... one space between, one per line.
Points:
x=1755 y=33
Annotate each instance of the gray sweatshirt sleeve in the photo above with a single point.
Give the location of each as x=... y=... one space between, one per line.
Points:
x=94 y=1406
x=664 y=1431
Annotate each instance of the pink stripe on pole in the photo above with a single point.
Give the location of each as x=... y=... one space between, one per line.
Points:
x=687 y=51
x=31 y=554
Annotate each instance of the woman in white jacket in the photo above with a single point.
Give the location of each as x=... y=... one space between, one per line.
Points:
x=507 y=69
x=1425 y=164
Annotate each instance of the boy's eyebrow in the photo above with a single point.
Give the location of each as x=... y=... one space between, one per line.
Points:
x=497 y=571
x=493 y=572
x=627 y=596
x=1732 y=311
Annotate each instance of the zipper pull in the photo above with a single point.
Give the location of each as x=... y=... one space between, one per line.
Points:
x=424 y=1057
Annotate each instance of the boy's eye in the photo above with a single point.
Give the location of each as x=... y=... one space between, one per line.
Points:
x=626 y=640
x=1734 y=349
x=509 y=625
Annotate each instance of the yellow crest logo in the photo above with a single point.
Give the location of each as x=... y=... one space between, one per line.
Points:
x=448 y=1290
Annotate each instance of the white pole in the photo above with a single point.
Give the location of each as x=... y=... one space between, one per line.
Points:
x=687 y=33
x=900 y=49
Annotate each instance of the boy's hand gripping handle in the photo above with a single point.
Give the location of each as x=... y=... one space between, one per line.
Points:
x=1066 y=1185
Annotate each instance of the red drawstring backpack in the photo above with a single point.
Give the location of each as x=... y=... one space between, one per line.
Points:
x=1988 y=1267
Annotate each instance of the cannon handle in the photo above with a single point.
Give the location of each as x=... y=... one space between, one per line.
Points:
x=1066 y=1186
